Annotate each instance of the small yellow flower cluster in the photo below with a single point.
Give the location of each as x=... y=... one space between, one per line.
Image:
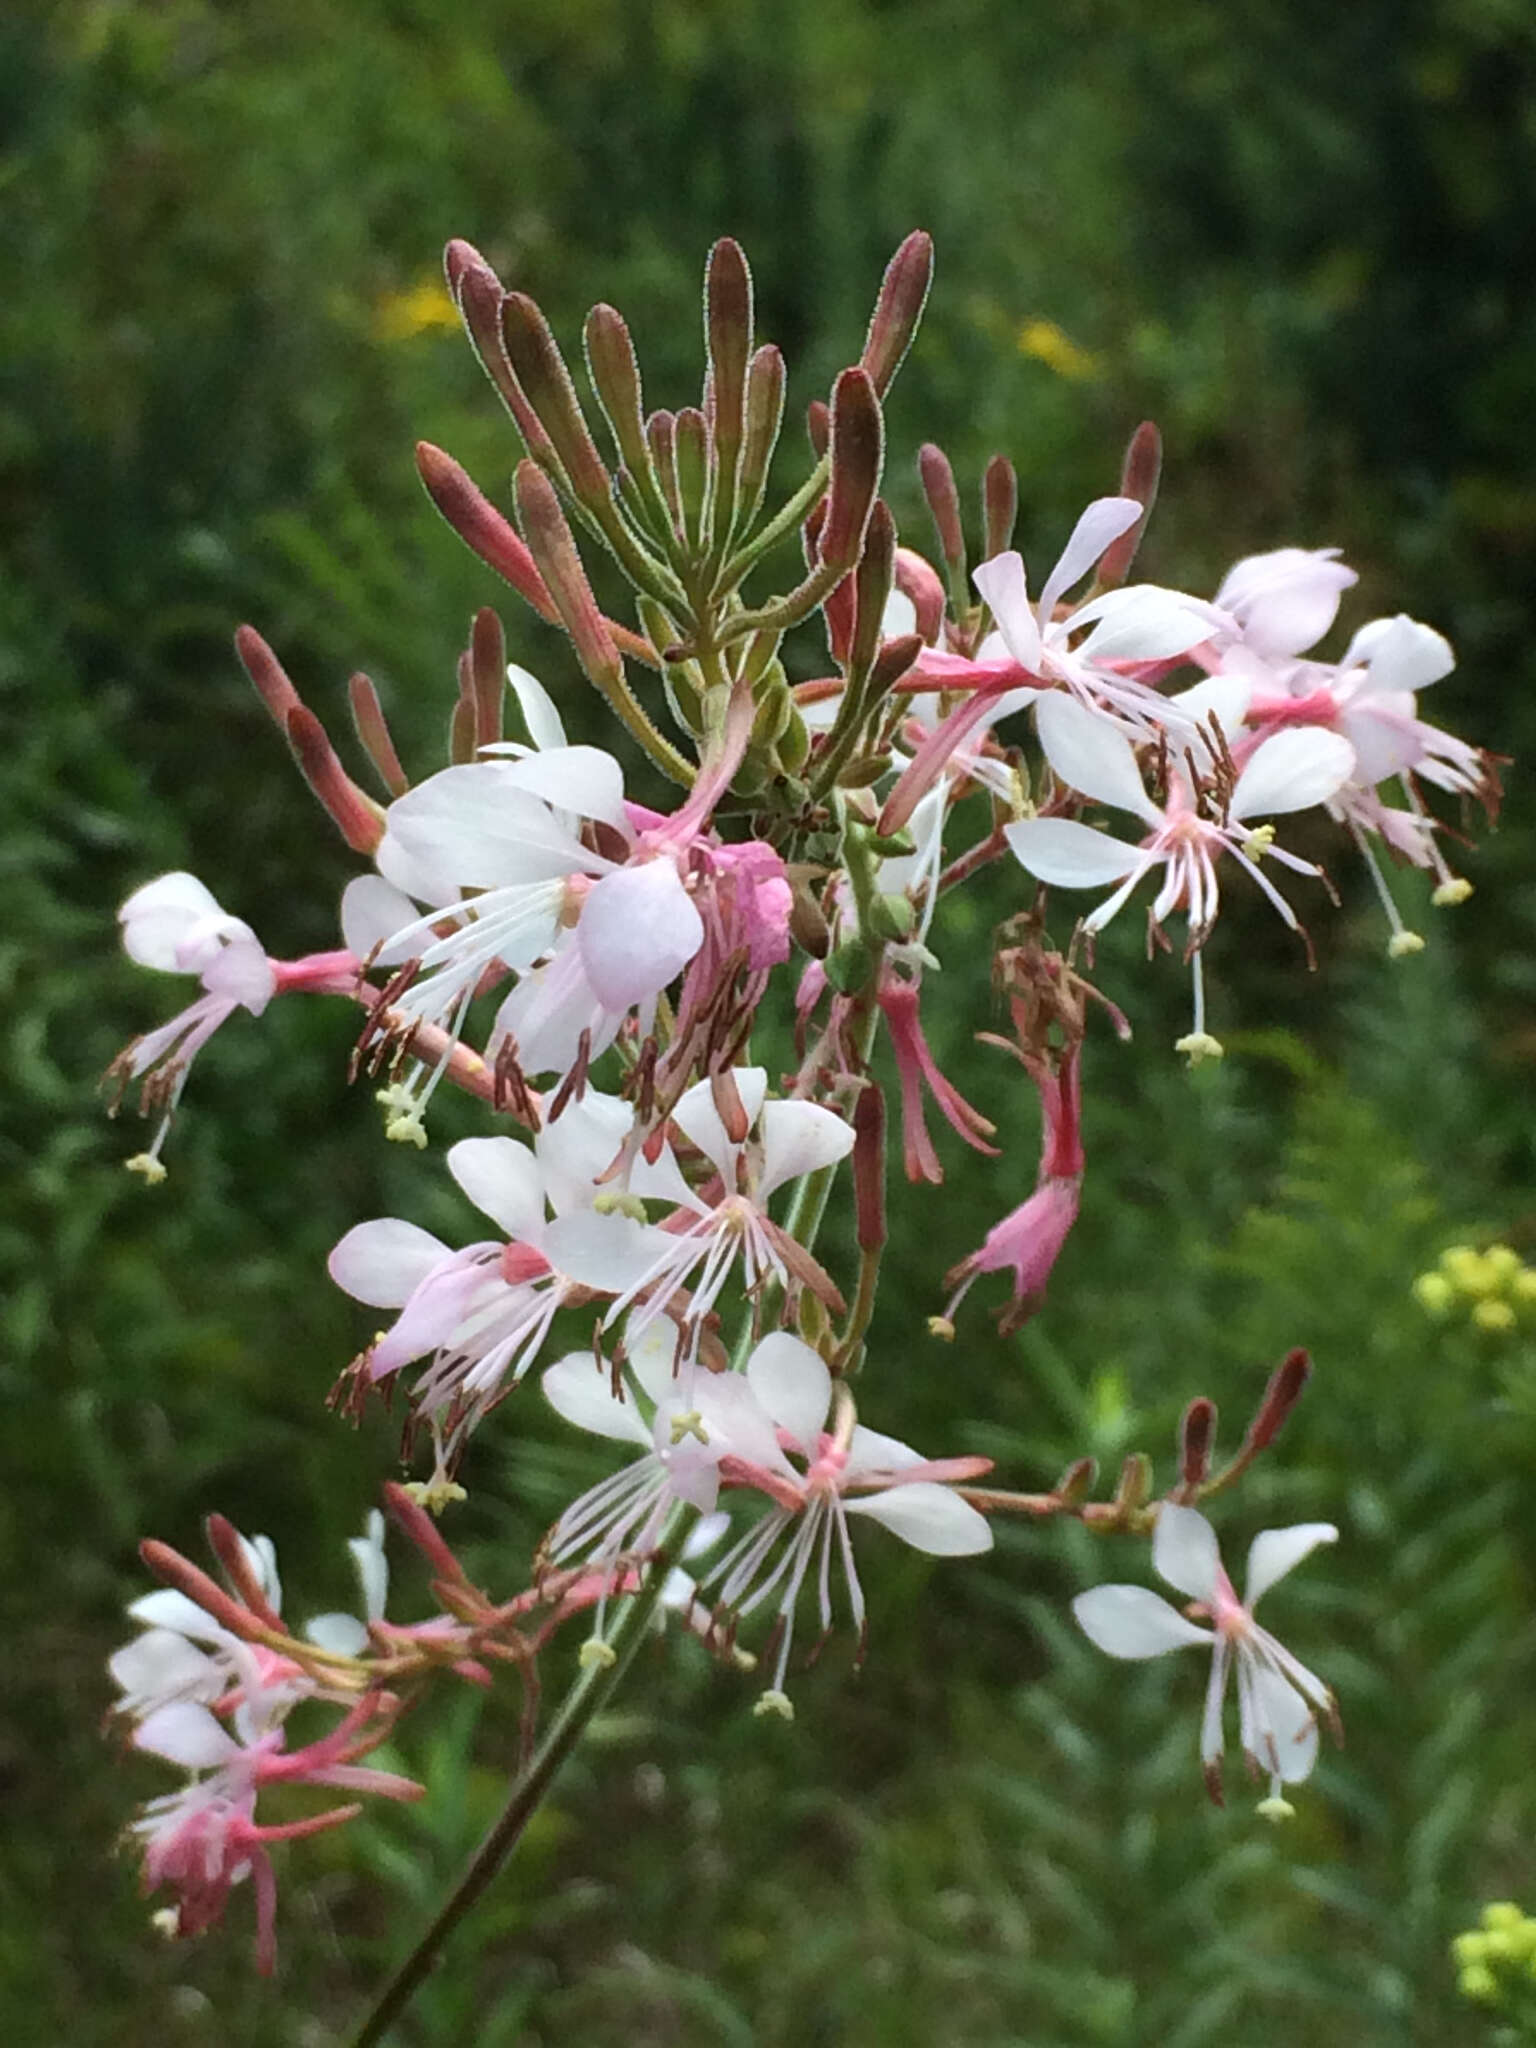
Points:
x=1495 y=1289
x=1497 y=1958
x=423 y=308
x=1053 y=346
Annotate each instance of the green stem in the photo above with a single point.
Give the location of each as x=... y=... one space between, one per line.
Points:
x=785 y=520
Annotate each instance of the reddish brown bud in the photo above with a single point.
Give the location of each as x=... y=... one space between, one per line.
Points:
x=476 y=521
x=174 y=1570
x=229 y=1548
x=356 y=816
x=488 y=665
x=1138 y=479
x=919 y=580
x=461 y=722
x=540 y=369
x=373 y=731
x=549 y=538
x=1076 y=1483
x=818 y=426
x=1000 y=504
x=1280 y=1397
x=938 y=481
x=477 y=292
x=764 y=416
x=728 y=339
x=899 y=307
x=691 y=453
x=857 y=449
x=268 y=674
x=891 y=664
x=1197 y=1437
x=872 y=586
x=661 y=439
x=869 y=1168
x=615 y=374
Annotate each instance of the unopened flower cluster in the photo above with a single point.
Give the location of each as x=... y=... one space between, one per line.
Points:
x=592 y=969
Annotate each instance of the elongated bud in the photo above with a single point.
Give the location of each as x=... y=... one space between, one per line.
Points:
x=1076 y=1483
x=661 y=439
x=999 y=504
x=174 y=1570
x=1197 y=1437
x=356 y=816
x=818 y=426
x=919 y=580
x=225 y=1543
x=554 y=551
x=857 y=448
x=728 y=339
x=615 y=374
x=461 y=722
x=373 y=731
x=1138 y=479
x=899 y=307
x=691 y=446
x=890 y=665
x=477 y=292
x=271 y=679
x=869 y=1168
x=477 y=522
x=540 y=369
x=1280 y=1397
x=764 y=416
x=729 y=1107
x=488 y=662
x=872 y=587
x=938 y=481
x=1134 y=1486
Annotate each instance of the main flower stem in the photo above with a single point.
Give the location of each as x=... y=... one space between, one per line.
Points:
x=585 y=1700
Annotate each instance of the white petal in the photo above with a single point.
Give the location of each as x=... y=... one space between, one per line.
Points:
x=608 y=1253
x=1283 y=1716
x=870 y=1451
x=799 y=1138
x=1090 y=755
x=187 y=1735
x=698 y=1119
x=1070 y=855
x=581 y=1391
x=1185 y=1552
x=343 y=1634
x=166 y=1608
x=929 y=1517
x=899 y=617
x=384 y=1262
x=549 y=1010
x=372 y=911
x=793 y=1387
x=704 y=1535
x=157 y=918
x=540 y=718
x=581 y=1143
x=580 y=779
x=1403 y=655
x=1274 y=1552
x=638 y=930
x=1287 y=599
x=1003 y=586
x=735 y=1421
x=475 y=823
x=1133 y=1621
x=1102 y=522
x=1226 y=695
x=161 y=1662
x=1142 y=623
x=1295 y=769
x=503 y=1180
x=371 y=1565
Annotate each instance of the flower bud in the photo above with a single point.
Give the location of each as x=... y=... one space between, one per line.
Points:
x=938 y=481
x=728 y=341
x=999 y=504
x=857 y=448
x=1138 y=479
x=540 y=369
x=691 y=452
x=1280 y=1397
x=477 y=292
x=660 y=437
x=615 y=374
x=1076 y=1483
x=918 y=580
x=872 y=587
x=549 y=539
x=869 y=1168
x=898 y=308
x=373 y=731
x=488 y=674
x=764 y=416
x=1197 y=1436
x=818 y=426
x=476 y=521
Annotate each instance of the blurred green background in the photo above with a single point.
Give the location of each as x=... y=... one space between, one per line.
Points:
x=1296 y=234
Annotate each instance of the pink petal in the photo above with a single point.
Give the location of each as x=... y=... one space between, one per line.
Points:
x=157 y=918
x=638 y=931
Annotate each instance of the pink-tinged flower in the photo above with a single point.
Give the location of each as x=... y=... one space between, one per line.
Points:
x=917 y=1069
x=1123 y=628
x=726 y=1221
x=1290 y=771
x=1284 y=602
x=840 y=1469
x=1278 y=1698
x=1030 y=1238
x=175 y=924
x=205 y=1839
x=483 y=1313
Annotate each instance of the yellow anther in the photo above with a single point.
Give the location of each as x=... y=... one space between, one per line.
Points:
x=618 y=1202
x=743 y=1659
x=1402 y=944
x=1259 y=841
x=407 y=1129
x=1456 y=889
x=1275 y=1809
x=774 y=1702
x=691 y=1424
x=596 y=1655
x=1199 y=1046
x=436 y=1493
x=147 y=1165
x=942 y=1328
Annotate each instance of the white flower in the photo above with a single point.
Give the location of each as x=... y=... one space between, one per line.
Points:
x=1278 y=1698
x=1285 y=601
